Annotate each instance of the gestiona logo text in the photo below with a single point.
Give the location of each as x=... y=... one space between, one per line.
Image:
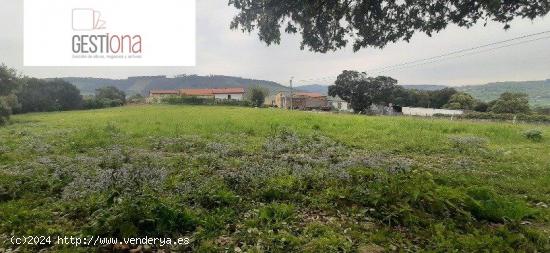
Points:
x=99 y=33
x=92 y=38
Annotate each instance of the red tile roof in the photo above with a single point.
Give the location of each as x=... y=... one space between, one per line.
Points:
x=228 y=91
x=162 y=92
x=211 y=92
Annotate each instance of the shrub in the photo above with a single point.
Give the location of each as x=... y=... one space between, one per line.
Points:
x=322 y=238
x=487 y=205
x=468 y=143
x=187 y=100
x=533 y=135
x=535 y=118
x=5 y=111
x=141 y=216
x=275 y=213
x=193 y=100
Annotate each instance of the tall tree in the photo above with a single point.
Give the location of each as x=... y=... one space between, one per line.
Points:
x=9 y=83
x=328 y=25
x=257 y=95
x=361 y=91
x=38 y=95
x=461 y=101
x=511 y=103
x=111 y=93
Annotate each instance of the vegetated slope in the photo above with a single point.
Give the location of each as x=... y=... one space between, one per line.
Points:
x=427 y=87
x=275 y=181
x=142 y=85
x=538 y=91
x=314 y=88
x=323 y=89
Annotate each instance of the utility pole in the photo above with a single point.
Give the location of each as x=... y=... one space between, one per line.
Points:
x=291 y=94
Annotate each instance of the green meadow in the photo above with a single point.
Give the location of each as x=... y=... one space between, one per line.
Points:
x=235 y=179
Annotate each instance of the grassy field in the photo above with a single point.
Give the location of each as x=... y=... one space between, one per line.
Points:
x=266 y=180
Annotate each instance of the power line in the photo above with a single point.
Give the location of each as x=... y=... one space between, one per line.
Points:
x=464 y=50
x=423 y=61
x=463 y=55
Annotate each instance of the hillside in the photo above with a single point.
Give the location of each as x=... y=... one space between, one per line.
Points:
x=538 y=91
x=142 y=85
x=315 y=88
x=323 y=88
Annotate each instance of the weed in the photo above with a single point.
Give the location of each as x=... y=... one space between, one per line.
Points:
x=533 y=135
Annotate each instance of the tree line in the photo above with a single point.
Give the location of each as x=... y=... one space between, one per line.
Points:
x=362 y=91
x=21 y=94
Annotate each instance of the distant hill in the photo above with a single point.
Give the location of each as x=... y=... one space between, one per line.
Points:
x=144 y=84
x=538 y=91
x=323 y=89
x=424 y=87
x=315 y=88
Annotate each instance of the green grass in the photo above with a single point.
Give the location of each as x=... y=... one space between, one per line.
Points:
x=273 y=180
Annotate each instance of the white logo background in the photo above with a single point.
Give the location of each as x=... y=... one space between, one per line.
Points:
x=167 y=28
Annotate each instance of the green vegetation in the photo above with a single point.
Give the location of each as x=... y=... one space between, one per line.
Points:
x=538 y=91
x=246 y=179
x=106 y=97
x=333 y=25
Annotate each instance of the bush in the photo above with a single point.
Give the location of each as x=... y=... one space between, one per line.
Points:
x=95 y=103
x=193 y=100
x=468 y=143
x=5 y=111
x=535 y=118
x=487 y=205
x=141 y=216
x=274 y=213
x=533 y=135
x=187 y=100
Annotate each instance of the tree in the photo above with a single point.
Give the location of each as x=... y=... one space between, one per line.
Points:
x=330 y=25
x=9 y=83
x=37 y=95
x=481 y=106
x=257 y=96
x=136 y=99
x=511 y=103
x=362 y=91
x=461 y=101
x=439 y=98
x=111 y=93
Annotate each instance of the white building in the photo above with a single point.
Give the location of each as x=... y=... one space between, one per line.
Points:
x=339 y=104
x=218 y=93
x=428 y=112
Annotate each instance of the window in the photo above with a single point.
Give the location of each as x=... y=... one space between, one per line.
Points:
x=228 y=96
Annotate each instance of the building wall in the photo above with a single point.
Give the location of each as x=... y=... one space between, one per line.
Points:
x=238 y=97
x=157 y=98
x=341 y=106
x=412 y=111
x=316 y=103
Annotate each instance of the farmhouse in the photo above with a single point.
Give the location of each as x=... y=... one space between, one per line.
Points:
x=156 y=96
x=302 y=101
x=218 y=93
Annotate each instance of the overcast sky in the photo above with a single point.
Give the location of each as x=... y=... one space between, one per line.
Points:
x=225 y=52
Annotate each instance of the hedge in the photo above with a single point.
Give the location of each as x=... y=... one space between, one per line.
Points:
x=539 y=118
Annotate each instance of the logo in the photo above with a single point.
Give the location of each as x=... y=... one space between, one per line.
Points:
x=109 y=33
x=87 y=20
x=101 y=45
